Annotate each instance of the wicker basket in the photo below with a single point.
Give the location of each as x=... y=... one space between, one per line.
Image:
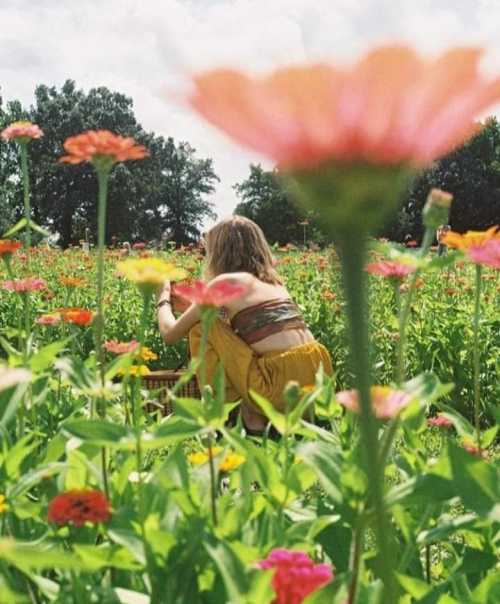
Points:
x=163 y=381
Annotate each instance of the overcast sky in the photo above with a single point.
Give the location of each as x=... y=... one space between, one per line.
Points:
x=140 y=47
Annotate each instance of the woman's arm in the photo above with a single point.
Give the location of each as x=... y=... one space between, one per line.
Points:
x=171 y=329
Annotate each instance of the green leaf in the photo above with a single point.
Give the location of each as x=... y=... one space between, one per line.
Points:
x=231 y=569
x=276 y=418
x=488 y=591
x=21 y=224
x=30 y=479
x=427 y=388
x=445 y=529
x=106 y=556
x=98 y=432
x=326 y=465
x=126 y=596
x=477 y=482
x=46 y=356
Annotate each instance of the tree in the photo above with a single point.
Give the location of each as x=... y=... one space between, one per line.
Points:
x=164 y=191
x=266 y=201
x=471 y=173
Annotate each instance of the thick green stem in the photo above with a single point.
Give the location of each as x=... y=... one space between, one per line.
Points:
x=353 y=253
x=406 y=309
x=477 y=390
x=356 y=557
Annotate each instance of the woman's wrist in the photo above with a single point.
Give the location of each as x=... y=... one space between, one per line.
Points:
x=163 y=302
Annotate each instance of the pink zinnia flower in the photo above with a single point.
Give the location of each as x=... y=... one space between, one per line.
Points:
x=440 y=421
x=217 y=294
x=487 y=254
x=391 y=107
x=121 y=347
x=386 y=402
x=139 y=245
x=389 y=269
x=29 y=284
x=49 y=319
x=296 y=576
x=22 y=130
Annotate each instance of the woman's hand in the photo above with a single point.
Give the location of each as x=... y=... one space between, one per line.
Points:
x=179 y=304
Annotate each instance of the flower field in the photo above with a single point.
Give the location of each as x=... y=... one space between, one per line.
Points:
x=377 y=485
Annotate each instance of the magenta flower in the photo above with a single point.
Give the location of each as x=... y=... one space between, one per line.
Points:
x=389 y=269
x=29 y=284
x=140 y=245
x=216 y=294
x=22 y=131
x=488 y=253
x=386 y=402
x=296 y=575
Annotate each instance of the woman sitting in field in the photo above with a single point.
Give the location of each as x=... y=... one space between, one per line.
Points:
x=264 y=343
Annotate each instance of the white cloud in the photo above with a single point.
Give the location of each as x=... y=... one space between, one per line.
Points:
x=139 y=46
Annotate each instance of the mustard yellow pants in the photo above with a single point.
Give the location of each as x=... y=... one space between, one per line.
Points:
x=266 y=374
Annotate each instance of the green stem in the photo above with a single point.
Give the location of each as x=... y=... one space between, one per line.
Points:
x=356 y=557
x=353 y=253
x=23 y=147
x=406 y=309
x=476 y=359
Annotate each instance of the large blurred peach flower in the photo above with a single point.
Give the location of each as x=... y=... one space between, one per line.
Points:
x=391 y=107
x=386 y=402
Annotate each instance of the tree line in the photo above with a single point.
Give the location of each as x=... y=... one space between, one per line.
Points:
x=166 y=196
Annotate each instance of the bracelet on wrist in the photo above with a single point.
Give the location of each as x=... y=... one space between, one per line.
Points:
x=163 y=303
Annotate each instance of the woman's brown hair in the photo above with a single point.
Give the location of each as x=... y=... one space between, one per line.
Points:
x=237 y=244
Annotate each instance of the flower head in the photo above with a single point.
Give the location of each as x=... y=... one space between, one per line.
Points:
x=10 y=377
x=440 y=421
x=391 y=107
x=390 y=269
x=135 y=370
x=101 y=147
x=28 y=284
x=8 y=247
x=22 y=131
x=146 y=354
x=79 y=506
x=4 y=506
x=140 y=245
x=215 y=294
x=386 y=402
x=77 y=316
x=149 y=273
x=296 y=576
x=488 y=253
x=121 y=347
x=470 y=238
x=230 y=462
x=71 y=281
x=52 y=318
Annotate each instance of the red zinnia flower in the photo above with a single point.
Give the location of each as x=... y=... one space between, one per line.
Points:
x=9 y=246
x=487 y=254
x=98 y=144
x=121 y=347
x=440 y=421
x=296 y=576
x=78 y=316
x=389 y=269
x=23 y=131
x=217 y=294
x=391 y=107
x=29 y=284
x=79 y=506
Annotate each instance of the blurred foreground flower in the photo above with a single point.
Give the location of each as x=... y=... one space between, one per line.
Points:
x=22 y=132
x=470 y=238
x=28 y=284
x=4 y=506
x=149 y=273
x=217 y=294
x=390 y=269
x=101 y=147
x=10 y=377
x=52 y=318
x=8 y=247
x=79 y=506
x=487 y=254
x=296 y=576
x=135 y=370
x=386 y=402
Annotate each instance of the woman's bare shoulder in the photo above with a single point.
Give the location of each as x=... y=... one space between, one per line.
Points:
x=244 y=278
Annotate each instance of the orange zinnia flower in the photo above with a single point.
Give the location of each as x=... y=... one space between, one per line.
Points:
x=78 y=316
x=392 y=107
x=71 y=281
x=9 y=246
x=470 y=238
x=98 y=144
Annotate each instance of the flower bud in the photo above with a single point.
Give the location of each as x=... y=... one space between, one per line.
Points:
x=437 y=208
